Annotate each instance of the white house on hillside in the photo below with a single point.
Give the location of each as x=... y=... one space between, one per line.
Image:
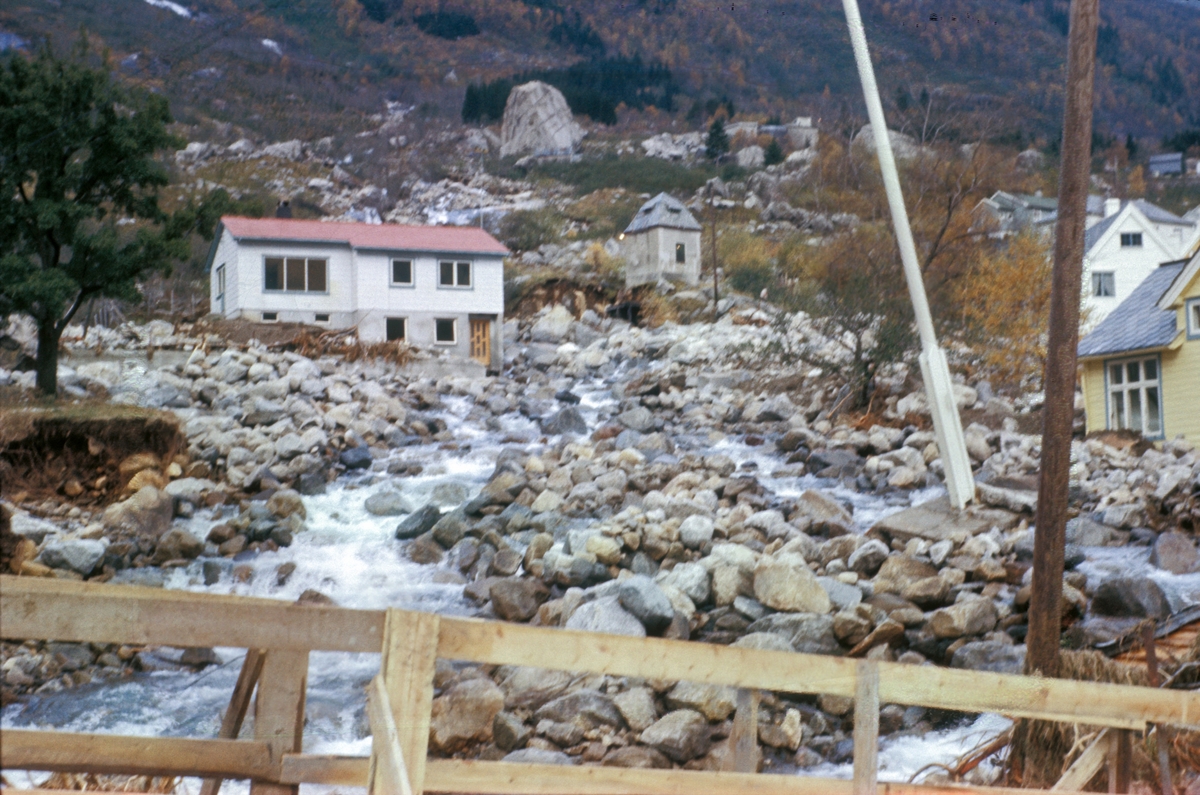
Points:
x=439 y=287
x=662 y=242
x=1125 y=247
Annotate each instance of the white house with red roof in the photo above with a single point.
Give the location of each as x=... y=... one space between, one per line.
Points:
x=433 y=286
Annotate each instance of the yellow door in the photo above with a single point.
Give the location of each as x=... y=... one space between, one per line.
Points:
x=481 y=341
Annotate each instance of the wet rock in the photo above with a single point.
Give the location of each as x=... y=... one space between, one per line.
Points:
x=567 y=420
x=518 y=599
x=388 y=503
x=147 y=512
x=784 y=582
x=356 y=458
x=1174 y=552
x=74 y=554
x=586 y=708
x=972 y=616
x=637 y=419
x=450 y=528
x=418 y=522
x=285 y=503
x=425 y=550
x=646 y=602
x=464 y=714
x=1088 y=532
x=833 y=464
x=1130 y=596
x=680 y=735
x=310 y=483
x=990 y=655
x=712 y=701
x=637 y=707
x=176 y=543
x=607 y=616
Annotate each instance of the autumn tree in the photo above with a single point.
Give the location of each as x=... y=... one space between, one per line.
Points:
x=79 y=212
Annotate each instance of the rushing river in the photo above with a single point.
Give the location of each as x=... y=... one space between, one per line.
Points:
x=351 y=556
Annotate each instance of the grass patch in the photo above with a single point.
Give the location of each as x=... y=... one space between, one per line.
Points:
x=637 y=174
x=606 y=212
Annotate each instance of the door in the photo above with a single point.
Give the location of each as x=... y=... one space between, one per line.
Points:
x=481 y=341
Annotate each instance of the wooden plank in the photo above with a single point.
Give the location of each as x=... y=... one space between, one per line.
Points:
x=95 y=613
x=743 y=740
x=231 y=724
x=24 y=749
x=866 y=728
x=343 y=771
x=389 y=776
x=1086 y=765
x=1120 y=706
x=279 y=714
x=1120 y=761
x=409 y=661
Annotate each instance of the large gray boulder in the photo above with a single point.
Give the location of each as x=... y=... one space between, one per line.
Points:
x=148 y=512
x=606 y=615
x=647 y=602
x=784 y=582
x=418 y=522
x=464 y=715
x=538 y=121
x=681 y=735
x=1138 y=597
x=76 y=554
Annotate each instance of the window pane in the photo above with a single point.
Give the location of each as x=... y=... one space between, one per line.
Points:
x=447 y=274
x=1135 y=409
x=1115 y=373
x=402 y=271
x=1153 y=412
x=680 y=254
x=1118 y=410
x=1150 y=367
x=445 y=331
x=464 y=274
x=316 y=276
x=1196 y=318
x=1132 y=370
x=295 y=274
x=395 y=328
x=273 y=274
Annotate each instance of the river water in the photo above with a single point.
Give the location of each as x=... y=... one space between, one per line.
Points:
x=351 y=556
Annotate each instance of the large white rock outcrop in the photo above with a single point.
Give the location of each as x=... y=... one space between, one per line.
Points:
x=538 y=121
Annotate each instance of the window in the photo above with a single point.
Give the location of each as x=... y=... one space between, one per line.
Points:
x=1192 y=310
x=680 y=253
x=269 y=317
x=1131 y=239
x=1103 y=285
x=321 y=317
x=396 y=328
x=445 y=332
x=1134 y=396
x=221 y=289
x=295 y=275
x=454 y=274
x=402 y=271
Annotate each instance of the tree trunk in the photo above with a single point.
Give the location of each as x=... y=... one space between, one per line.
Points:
x=47 y=358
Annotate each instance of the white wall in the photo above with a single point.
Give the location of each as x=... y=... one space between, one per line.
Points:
x=650 y=255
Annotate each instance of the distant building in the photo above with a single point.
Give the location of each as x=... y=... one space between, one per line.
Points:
x=435 y=286
x=662 y=242
x=1169 y=163
x=1141 y=365
x=1018 y=212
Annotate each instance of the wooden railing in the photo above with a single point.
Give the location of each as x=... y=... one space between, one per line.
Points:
x=280 y=637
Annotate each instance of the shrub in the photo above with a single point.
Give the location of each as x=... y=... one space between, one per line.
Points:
x=773 y=153
x=525 y=230
x=451 y=25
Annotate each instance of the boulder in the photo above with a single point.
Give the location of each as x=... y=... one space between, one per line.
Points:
x=1175 y=553
x=990 y=655
x=586 y=708
x=696 y=531
x=463 y=715
x=567 y=420
x=1130 y=596
x=750 y=157
x=638 y=418
x=285 y=503
x=898 y=571
x=509 y=731
x=636 y=756
x=553 y=326
x=540 y=756
x=827 y=514
x=75 y=554
x=690 y=578
x=867 y=559
x=647 y=602
x=537 y=120
x=972 y=616
x=714 y=702
x=530 y=688
x=784 y=582
x=148 y=512
x=606 y=615
x=176 y=544
x=388 y=503
x=518 y=599
x=763 y=641
x=637 y=707
x=808 y=633
x=418 y=522
x=356 y=458
x=681 y=735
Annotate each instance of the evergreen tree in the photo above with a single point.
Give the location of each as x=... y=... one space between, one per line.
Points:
x=717 y=142
x=77 y=158
x=773 y=153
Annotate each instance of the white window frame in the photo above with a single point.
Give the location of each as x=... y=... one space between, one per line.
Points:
x=1097 y=280
x=1191 y=312
x=1118 y=389
x=412 y=272
x=404 y=329
x=457 y=285
x=273 y=319
x=453 y=321
x=1135 y=239
x=283 y=275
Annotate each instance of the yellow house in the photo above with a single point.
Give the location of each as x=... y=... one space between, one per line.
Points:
x=1141 y=365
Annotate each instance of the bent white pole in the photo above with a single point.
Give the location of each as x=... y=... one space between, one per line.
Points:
x=938 y=387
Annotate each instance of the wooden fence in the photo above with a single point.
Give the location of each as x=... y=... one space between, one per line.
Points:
x=279 y=637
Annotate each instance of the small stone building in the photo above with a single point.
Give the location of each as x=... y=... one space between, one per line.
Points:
x=662 y=242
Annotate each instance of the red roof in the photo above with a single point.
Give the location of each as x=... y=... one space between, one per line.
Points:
x=458 y=239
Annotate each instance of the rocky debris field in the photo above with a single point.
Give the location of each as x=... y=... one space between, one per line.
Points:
x=647 y=483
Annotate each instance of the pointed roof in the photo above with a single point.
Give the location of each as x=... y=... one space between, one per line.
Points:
x=1138 y=323
x=663 y=210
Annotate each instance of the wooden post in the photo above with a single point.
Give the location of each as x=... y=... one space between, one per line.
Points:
x=231 y=724
x=743 y=740
x=1120 y=761
x=1162 y=737
x=409 y=653
x=1058 y=418
x=1086 y=766
x=388 y=774
x=279 y=713
x=866 y=728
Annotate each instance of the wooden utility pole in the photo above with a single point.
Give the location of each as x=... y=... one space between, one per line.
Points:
x=1058 y=415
